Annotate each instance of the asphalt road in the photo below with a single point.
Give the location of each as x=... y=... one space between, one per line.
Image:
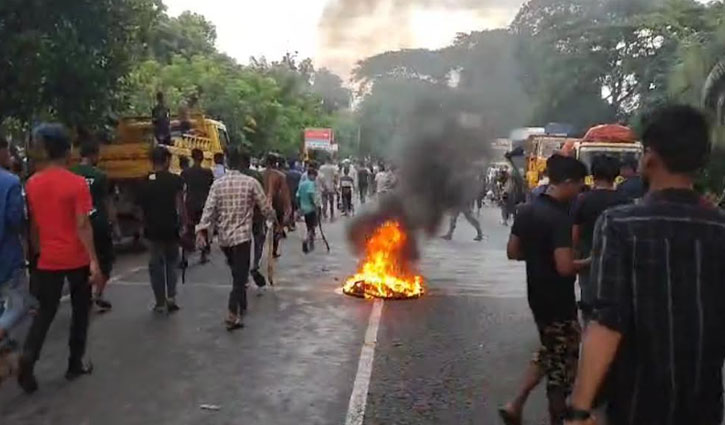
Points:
x=450 y=357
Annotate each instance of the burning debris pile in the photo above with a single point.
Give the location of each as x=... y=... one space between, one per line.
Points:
x=434 y=164
x=384 y=271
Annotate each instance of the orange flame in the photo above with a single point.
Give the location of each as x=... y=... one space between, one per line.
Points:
x=383 y=272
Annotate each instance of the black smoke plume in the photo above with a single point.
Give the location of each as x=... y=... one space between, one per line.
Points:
x=443 y=149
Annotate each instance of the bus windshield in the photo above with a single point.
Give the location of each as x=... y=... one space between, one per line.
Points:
x=586 y=155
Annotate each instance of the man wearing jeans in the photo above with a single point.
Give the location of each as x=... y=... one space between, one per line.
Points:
x=13 y=281
x=230 y=209
x=59 y=207
x=162 y=203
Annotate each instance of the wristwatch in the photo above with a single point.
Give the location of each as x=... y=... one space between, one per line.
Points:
x=573 y=414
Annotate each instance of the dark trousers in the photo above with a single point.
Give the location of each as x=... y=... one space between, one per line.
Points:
x=363 y=193
x=328 y=201
x=163 y=264
x=238 y=261
x=48 y=289
x=347 y=200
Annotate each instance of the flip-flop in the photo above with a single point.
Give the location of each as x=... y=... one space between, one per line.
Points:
x=508 y=418
x=233 y=325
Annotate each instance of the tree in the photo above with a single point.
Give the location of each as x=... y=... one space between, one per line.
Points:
x=81 y=52
x=329 y=87
x=187 y=35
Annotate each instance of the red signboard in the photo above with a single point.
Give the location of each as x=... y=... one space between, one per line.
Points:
x=320 y=134
x=320 y=138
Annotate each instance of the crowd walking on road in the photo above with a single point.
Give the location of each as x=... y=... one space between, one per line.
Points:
x=641 y=344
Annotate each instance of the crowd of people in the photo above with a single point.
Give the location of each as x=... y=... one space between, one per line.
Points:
x=58 y=225
x=645 y=253
x=650 y=278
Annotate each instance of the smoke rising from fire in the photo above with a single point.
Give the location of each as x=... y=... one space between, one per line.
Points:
x=442 y=149
x=354 y=29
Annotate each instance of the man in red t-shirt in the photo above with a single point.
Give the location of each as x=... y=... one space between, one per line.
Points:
x=60 y=206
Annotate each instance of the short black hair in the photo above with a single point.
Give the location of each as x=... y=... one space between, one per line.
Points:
x=159 y=155
x=680 y=135
x=159 y=96
x=562 y=168
x=4 y=144
x=234 y=157
x=54 y=138
x=219 y=158
x=630 y=162
x=183 y=161
x=197 y=154
x=312 y=171
x=605 y=167
x=89 y=148
x=245 y=158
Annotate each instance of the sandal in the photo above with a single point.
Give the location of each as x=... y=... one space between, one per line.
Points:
x=508 y=418
x=233 y=325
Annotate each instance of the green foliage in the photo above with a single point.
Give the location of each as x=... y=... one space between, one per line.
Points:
x=66 y=59
x=187 y=35
x=263 y=110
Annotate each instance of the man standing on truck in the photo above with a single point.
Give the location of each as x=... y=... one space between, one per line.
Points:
x=198 y=181
x=100 y=219
x=161 y=120
x=162 y=203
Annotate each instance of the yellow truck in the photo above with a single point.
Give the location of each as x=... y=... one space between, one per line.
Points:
x=539 y=149
x=126 y=160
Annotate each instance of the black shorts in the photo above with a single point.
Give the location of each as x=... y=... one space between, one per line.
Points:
x=104 y=250
x=311 y=220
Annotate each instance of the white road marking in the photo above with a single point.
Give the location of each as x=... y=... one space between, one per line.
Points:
x=359 y=396
x=114 y=279
x=123 y=276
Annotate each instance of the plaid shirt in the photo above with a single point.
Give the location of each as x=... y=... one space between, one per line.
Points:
x=659 y=280
x=230 y=208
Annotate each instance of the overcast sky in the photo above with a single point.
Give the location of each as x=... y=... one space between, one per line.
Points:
x=273 y=27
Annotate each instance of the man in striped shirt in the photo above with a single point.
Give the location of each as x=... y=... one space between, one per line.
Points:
x=658 y=322
x=230 y=209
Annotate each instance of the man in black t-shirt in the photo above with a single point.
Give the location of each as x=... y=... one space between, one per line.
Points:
x=163 y=209
x=101 y=219
x=633 y=187
x=198 y=181
x=161 y=120
x=587 y=209
x=363 y=179
x=541 y=236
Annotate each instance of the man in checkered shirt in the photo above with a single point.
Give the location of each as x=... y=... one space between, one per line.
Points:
x=230 y=209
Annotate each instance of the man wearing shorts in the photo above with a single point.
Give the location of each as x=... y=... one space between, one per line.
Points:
x=541 y=236
x=100 y=220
